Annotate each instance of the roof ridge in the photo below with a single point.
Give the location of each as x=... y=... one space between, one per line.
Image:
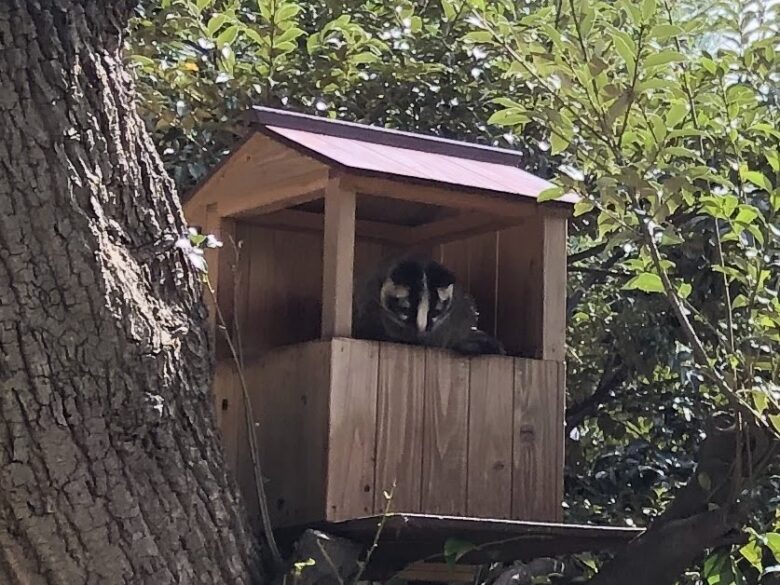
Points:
x=264 y=116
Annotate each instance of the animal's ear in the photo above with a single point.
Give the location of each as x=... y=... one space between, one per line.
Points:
x=445 y=292
x=439 y=275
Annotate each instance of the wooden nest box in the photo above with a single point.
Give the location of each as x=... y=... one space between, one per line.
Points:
x=316 y=203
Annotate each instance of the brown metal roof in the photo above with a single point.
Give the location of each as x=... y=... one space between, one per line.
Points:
x=382 y=151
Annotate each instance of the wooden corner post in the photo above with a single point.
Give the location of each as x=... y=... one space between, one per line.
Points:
x=338 y=260
x=553 y=306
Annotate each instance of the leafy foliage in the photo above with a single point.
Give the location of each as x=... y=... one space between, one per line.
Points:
x=674 y=150
x=202 y=64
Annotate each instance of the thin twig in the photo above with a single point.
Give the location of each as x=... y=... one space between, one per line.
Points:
x=262 y=499
x=377 y=534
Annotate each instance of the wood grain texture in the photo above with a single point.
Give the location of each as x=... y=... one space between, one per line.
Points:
x=257 y=174
x=554 y=288
x=519 y=290
x=280 y=288
x=289 y=389
x=338 y=261
x=229 y=408
x=538 y=429
x=489 y=491
x=400 y=426
x=352 y=429
x=440 y=195
x=445 y=445
x=483 y=278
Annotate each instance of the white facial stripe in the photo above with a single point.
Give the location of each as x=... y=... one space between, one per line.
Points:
x=423 y=307
x=422 y=314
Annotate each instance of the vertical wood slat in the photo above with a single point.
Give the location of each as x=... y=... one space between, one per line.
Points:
x=553 y=302
x=338 y=261
x=400 y=409
x=489 y=493
x=445 y=445
x=538 y=430
x=352 y=429
x=289 y=389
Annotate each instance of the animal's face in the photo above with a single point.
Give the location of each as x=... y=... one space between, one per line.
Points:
x=418 y=296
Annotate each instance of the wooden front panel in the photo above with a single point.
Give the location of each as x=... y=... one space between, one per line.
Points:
x=478 y=436
x=290 y=399
x=340 y=421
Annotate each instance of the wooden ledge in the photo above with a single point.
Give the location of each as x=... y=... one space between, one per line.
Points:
x=413 y=538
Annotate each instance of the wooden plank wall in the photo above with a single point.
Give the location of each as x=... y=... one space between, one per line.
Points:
x=280 y=284
x=480 y=437
x=341 y=422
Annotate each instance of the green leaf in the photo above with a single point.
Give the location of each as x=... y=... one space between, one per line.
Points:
x=479 y=36
x=366 y=57
x=228 y=35
x=417 y=24
x=454 y=549
x=648 y=9
x=757 y=178
x=684 y=290
x=558 y=143
x=704 y=481
x=646 y=282
x=773 y=543
x=215 y=23
x=550 y=194
x=508 y=117
x=626 y=48
x=286 y=12
x=752 y=553
x=760 y=400
x=663 y=32
x=289 y=35
x=663 y=58
x=582 y=207
x=676 y=112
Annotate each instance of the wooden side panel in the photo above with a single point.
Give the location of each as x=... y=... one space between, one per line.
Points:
x=489 y=493
x=519 y=290
x=283 y=284
x=445 y=445
x=289 y=389
x=400 y=427
x=227 y=397
x=352 y=434
x=483 y=274
x=538 y=429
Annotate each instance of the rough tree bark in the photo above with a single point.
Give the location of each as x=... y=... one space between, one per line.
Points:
x=110 y=466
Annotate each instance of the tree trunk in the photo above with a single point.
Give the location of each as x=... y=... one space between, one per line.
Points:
x=110 y=465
